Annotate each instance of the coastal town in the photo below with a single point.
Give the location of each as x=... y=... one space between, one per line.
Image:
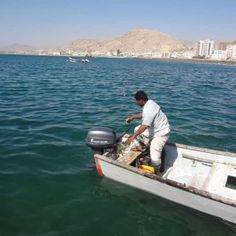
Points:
x=140 y=43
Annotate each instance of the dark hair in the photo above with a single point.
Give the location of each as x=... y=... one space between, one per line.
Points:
x=141 y=95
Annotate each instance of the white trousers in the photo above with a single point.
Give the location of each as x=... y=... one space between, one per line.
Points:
x=156 y=147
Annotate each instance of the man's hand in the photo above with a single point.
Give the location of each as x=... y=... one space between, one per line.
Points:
x=130 y=140
x=129 y=119
x=137 y=133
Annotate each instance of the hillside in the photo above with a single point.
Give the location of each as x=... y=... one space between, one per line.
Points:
x=15 y=47
x=136 y=41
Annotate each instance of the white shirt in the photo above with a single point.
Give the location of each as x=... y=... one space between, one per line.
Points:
x=155 y=119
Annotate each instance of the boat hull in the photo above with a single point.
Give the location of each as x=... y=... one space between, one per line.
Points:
x=189 y=199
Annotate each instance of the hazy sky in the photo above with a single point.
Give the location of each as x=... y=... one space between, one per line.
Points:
x=52 y=23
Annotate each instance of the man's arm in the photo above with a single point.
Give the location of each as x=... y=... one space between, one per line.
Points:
x=137 y=133
x=131 y=118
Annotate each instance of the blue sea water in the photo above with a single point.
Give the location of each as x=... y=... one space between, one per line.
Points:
x=47 y=105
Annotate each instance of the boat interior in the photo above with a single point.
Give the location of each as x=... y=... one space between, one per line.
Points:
x=209 y=171
x=202 y=171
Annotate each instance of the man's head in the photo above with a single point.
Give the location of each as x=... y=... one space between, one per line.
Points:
x=141 y=98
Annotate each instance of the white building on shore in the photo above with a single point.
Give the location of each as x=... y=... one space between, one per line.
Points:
x=231 y=51
x=205 y=48
x=219 y=55
x=183 y=55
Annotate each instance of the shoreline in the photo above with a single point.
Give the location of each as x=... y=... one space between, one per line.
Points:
x=195 y=60
x=199 y=61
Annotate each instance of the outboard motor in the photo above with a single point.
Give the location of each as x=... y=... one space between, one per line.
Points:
x=101 y=139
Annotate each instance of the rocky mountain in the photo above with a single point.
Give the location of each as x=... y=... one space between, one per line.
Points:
x=15 y=48
x=136 y=41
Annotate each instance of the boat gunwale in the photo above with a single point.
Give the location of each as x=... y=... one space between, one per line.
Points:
x=173 y=183
x=207 y=150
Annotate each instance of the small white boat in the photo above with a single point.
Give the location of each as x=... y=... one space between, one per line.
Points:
x=199 y=178
x=85 y=61
x=74 y=60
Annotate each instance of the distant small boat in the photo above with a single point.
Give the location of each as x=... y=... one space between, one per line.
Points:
x=199 y=178
x=85 y=61
x=74 y=60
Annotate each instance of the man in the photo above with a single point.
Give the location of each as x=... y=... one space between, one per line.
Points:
x=157 y=124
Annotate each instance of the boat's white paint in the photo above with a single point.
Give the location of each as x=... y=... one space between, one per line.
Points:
x=74 y=60
x=202 y=169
